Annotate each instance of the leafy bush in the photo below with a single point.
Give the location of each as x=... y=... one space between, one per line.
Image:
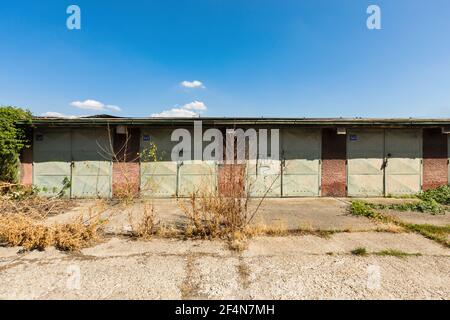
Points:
x=13 y=139
x=361 y=208
x=440 y=195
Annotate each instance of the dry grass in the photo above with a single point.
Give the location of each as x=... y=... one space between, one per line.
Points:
x=34 y=206
x=146 y=225
x=226 y=215
x=30 y=233
x=19 y=230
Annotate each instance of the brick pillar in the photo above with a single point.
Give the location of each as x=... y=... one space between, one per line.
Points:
x=334 y=153
x=126 y=166
x=26 y=166
x=435 y=167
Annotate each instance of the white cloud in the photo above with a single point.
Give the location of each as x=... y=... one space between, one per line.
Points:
x=113 y=107
x=196 y=105
x=189 y=110
x=176 y=112
x=52 y=114
x=90 y=104
x=192 y=84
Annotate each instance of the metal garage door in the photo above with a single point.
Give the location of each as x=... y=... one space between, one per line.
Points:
x=196 y=176
x=365 y=154
x=403 y=152
x=158 y=179
x=91 y=166
x=384 y=162
x=79 y=156
x=301 y=154
x=51 y=160
x=264 y=178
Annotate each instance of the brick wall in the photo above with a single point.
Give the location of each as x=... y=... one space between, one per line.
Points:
x=334 y=153
x=435 y=172
x=26 y=167
x=231 y=180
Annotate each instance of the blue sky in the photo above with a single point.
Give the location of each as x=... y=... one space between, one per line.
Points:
x=253 y=57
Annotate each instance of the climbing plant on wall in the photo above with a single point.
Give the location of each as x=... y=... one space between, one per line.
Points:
x=13 y=138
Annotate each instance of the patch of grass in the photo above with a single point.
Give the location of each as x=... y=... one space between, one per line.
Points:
x=439 y=234
x=359 y=251
x=396 y=253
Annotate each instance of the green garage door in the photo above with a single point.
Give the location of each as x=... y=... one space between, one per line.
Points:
x=403 y=151
x=301 y=154
x=52 y=158
x=384 y=162
x=365 y=157
x=91 y=166
x=79 y=155
x=264 y=178
x=158 y=178
x=196 y=176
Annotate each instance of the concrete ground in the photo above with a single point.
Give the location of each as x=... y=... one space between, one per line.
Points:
x=290 y=213
x=304 y=267
x=290 y=267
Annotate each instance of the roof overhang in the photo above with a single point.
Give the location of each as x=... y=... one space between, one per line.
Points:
x=215 y=122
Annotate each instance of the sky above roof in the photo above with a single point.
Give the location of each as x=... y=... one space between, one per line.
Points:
x=227 y=58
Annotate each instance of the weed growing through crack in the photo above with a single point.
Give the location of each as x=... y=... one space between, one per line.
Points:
x=359 y=251
x=396 y=253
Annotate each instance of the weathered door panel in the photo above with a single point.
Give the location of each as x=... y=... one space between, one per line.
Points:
x=197 y=176
x=365 y=157
x=264 y=178
x=91 y=168
x=403 y=152
x=51 y=157
x=301 y=153
x=159 y=179
x=158 y=171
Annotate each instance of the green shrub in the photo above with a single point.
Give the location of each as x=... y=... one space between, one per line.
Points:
x=13 y=139
x=440 y=195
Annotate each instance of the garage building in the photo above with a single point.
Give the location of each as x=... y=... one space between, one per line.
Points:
x=318 y=157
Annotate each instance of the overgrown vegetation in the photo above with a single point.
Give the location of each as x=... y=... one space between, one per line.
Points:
x=13 y=139
x=440 y=195
x=20 y=230
x=428 y=206
x=439 y=234
x=226 y=215
x=146 y=226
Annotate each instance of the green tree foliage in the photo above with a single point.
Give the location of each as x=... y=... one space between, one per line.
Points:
x=13 y=139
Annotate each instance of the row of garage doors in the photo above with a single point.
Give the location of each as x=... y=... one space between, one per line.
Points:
x=379 y=162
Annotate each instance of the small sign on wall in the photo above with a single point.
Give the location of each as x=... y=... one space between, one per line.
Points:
x=146 y=138
x=353 y=137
